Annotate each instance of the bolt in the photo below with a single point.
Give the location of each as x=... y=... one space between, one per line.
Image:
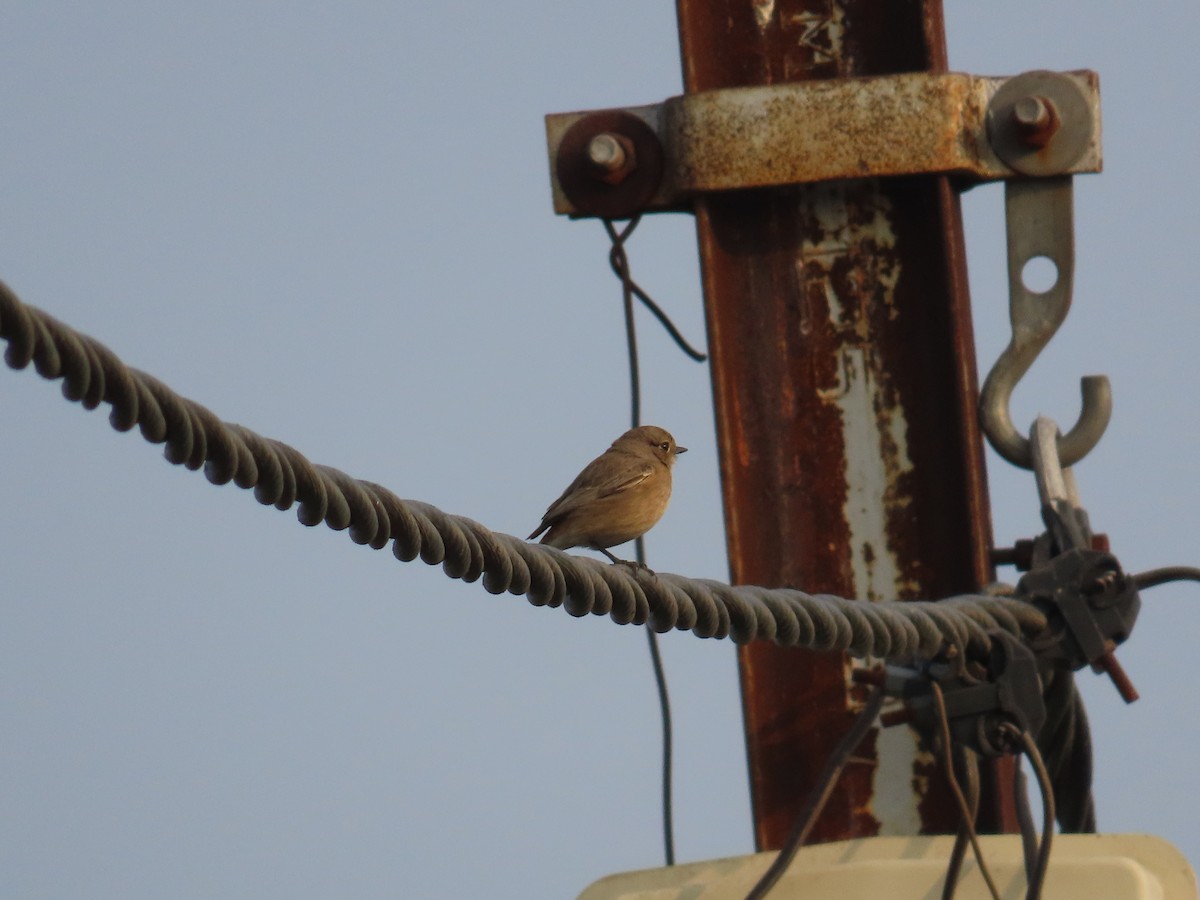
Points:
x=896 y=717
x=612 y=157
x=1035 y=119
x=1020 y=555
x=1109 y=582
x=606 y=152
x=876 y=677
x=1109 y=665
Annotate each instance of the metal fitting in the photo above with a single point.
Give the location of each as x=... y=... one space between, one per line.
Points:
x=1043 y=123
x=1036 y=119
x=1006 y=690
x=612 y=156
x=739 y=138
x=609 y=164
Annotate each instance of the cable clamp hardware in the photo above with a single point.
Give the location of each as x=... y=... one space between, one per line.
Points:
x=986 y=703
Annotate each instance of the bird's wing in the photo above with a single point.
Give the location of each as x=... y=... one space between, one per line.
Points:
x=589 y=486
x=618 y=485
x=537 y=531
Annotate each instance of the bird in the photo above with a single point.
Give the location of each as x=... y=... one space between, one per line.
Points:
x=618 y=496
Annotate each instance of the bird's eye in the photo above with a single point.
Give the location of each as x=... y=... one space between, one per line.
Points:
x=665 y=445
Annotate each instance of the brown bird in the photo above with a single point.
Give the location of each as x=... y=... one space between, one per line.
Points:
x=618 y=496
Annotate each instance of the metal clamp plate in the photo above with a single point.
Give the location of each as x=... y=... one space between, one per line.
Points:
x=916 y=123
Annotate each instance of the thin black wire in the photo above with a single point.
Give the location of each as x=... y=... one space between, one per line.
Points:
x=1035 y=852
x=1065 y=741
x=1029 y=840
x=967 y=819
x=1034 y=892
x=1155 y=577
x=970 y=769
x=815 y=802
x=629 y=289
x=620 y=266
x=620 y=263
x=664 y=706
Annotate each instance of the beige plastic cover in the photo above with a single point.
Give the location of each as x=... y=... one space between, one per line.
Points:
x=1082 y=867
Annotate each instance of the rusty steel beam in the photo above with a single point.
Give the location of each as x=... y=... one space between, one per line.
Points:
x=844 y=384
x=801 y=132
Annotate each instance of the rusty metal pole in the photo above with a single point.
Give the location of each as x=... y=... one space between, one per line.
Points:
x=844 y=385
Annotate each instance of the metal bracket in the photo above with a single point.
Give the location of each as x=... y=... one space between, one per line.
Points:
x=1091 y=604
x=1005 y=689
x=1092 y=608
x=616 y=163
x=1039 y=215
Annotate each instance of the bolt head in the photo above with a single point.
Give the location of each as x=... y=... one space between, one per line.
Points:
x=605 y=152
x=1031 y=112
x=612 y=157
x=1035 y=119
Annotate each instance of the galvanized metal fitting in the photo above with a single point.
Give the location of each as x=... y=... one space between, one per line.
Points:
x=1043 y=123
x=609 y=164
x=740 y=138
x=1036 y=119
x=1005 y=690
x=612 y=156
x=1091 y=608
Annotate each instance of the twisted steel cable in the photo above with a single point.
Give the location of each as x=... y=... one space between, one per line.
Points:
x=372 y=515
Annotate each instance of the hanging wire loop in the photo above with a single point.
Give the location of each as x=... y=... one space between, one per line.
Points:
x=1039 y=219
x=373 y=516
x=619 y=262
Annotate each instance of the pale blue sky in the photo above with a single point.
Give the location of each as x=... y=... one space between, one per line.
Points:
x=334 y=226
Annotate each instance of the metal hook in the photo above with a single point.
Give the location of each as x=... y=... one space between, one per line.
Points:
x=1057 y=490
x=1039 y=218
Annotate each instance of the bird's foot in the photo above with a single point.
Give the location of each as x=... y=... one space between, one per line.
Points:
x=638 y=567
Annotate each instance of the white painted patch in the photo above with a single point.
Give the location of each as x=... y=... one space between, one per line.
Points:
x=821 y=33
x=893 y=788
x=875 y=436
x=764 y=11
x=876 y=573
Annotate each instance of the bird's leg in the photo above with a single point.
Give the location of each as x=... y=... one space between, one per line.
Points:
x=629 y=563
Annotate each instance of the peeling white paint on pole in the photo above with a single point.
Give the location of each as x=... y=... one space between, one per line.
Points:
x=874 y=428
x=869 y=434
x=764 y=12
x=894 y=785
x=875 y=442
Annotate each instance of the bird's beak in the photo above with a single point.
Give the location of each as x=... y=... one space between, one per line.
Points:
x=679 y=450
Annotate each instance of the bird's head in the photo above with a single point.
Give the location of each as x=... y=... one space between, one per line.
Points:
x=653 y=440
